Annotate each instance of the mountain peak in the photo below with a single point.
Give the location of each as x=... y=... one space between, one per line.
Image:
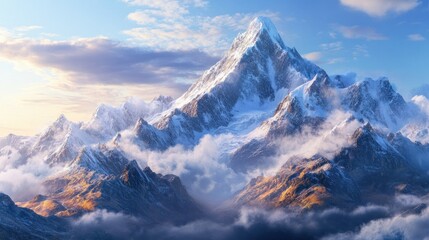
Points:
x=163 y=99
x=257 y=71
x=133 y=176
x=264 y=23
x=61 y=120
x=259 y=29
x=5 y=200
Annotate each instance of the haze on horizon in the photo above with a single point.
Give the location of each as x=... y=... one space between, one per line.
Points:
x=61 y=57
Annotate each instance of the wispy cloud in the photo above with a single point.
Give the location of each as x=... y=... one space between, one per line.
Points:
x=168 y=4
x=28 y=28
x=100 y=60
x=332 y=46
x=79 y=74
x=335 y=60
x=5 y=34
x=313 y=56
x=360 y=51
x=416 y=37
x=356 y=32
x=421 y=90
x=172 y=43
x=378 y=8
x=169 y=24
x=400 y=226
x=244 y=223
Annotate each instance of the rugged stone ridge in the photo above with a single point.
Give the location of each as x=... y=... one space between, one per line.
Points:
x=105 y=179
x=381 y=169
x=309 y=106
x=260 y=92
x=373 y=169
x=61 y=142
x=302 y=183
x=377 y=102
x=257 y=70
x=22 y=223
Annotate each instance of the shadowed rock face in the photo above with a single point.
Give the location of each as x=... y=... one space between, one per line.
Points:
x=254 y=154
x=105 y=179
x=258 y=76
x=22 y=223
x=309 y=106
x=377 y=101
x=370 y=170
x=302 y=183
x=381 y=169
x=43 y=206
x=61 y=142
x=256 y=70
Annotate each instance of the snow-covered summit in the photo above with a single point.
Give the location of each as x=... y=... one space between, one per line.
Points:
x=256 y=73
x=108 y=120
x=262 y=23
x=260 y=29
x=257 y=58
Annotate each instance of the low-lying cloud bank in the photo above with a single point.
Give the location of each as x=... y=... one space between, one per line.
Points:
x=366 y=222
x=205 y=169
x=22 y=181
x=397 y=227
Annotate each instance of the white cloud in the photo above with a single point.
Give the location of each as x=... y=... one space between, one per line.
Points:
x=170 y=24
x=360 y=51
x=168 y=4
x=335 y=60
x=75 y=69
x=101 y=60
x=204 y=169
x=397 y=227
x=5 y=34
x=313 y=56
x=416 y=37
x=20 y=185
x=332 y=46
x=24 y=181
x=380 y=8
x=27 y=28
x=408 y=200
x=104 y=223
x=422 y=103
x=141 y=18
x=356 y=32
x=331 y=136
x=330 y=52
x=244 y=223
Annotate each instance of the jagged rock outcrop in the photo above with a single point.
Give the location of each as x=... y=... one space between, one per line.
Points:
x=258 y=70
x=302 y=183
x=373 y=169
x=105 y=179
x=22 y=223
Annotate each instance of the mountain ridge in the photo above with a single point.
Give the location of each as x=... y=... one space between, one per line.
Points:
x=272 y=104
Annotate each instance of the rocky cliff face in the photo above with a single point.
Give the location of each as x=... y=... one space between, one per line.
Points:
x=257 y=71
x=302 y=183
x=311 y=104
x=22 y=223
x=61 y=142
x=105 y=179
x=373 y=169
x=263 y=96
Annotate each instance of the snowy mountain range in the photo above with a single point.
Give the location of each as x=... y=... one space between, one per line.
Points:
x=296 y=138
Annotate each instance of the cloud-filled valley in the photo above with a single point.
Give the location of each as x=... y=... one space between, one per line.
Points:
x=265 y=144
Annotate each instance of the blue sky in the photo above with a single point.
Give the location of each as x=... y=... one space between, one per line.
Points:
x=68 y=56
